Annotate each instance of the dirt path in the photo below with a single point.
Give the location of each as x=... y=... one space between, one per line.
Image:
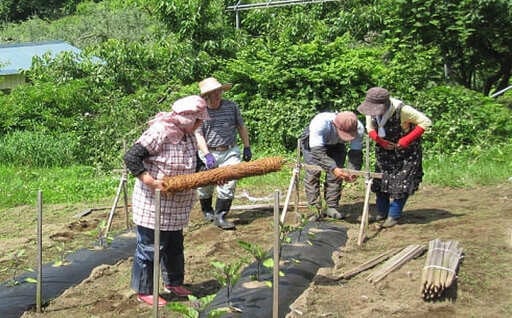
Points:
x=480 y=219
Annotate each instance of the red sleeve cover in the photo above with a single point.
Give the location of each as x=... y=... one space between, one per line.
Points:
x=406 y=140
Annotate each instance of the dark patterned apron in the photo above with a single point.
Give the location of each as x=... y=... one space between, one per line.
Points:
x=402 y=169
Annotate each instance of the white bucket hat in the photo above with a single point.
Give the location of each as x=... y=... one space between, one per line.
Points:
x=211 y=84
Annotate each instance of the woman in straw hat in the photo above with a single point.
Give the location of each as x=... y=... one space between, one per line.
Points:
x=396 y=128
x=218 y=147
x=168 y=147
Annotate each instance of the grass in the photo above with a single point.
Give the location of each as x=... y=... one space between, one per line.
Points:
x=19 y=185
x=467 y=169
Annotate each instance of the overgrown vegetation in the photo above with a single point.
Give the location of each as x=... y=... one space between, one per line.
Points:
x=139 y=56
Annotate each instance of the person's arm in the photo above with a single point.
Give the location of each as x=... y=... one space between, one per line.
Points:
x=244 y=135
x=134 y=160
x=380 y=141
x=320 y=156
x=203 y=147
x=201 y=141
x=372 y=133
x=355 y=153
x=410 y=116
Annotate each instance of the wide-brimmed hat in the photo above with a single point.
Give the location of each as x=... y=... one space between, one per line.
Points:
x=346 y=125
x=375 y=102
x=211 y=84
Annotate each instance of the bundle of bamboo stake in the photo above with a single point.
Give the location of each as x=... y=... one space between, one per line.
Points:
x=440 y=267
x=405 y=255
x=233 y=172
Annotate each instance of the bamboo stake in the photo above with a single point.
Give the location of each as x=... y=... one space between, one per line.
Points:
x=275 y=281
x=369 y=264
x=396 y=262
x=440 y=266
x=156 y=255
x=39 y=250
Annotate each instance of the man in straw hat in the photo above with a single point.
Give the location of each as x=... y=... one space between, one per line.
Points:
x=324 y=143
x=218 y=147
x=396 y=129
x=167 y=148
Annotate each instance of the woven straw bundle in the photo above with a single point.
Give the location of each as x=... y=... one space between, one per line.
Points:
x=213 y=176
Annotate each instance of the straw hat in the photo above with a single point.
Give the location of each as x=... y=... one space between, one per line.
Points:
x=211 y=84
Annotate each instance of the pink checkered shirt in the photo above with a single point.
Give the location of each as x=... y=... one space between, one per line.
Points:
x=166 y=159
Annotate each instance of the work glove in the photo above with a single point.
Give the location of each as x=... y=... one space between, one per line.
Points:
x=247 y=154
x=210 y=161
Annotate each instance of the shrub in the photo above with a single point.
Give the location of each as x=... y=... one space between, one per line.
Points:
x=38 y=149
x=463 y=119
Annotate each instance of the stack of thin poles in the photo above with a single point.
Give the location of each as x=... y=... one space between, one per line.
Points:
x=440 y=269
x=405 y=255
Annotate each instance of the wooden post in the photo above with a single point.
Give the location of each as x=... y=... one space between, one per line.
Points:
x=297 y=196
x=364 y=216
x=277 y=232
x=39 y=250
x=120 y=188
x=125 y=190
x=368 y=182
x=156 y=255
x=289 y=193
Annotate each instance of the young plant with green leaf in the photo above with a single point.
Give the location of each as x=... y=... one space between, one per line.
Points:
x=61 y=260
x=258 y=253
x=16 y=259
x=195 y=306
x=227 y=275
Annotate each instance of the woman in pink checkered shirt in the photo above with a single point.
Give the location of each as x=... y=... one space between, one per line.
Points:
x=167 y=148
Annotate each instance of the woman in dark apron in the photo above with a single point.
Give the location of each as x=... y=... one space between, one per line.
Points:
x=396 y=129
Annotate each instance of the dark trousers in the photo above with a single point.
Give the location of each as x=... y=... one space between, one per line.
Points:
x=312 y=179
x=172 y=259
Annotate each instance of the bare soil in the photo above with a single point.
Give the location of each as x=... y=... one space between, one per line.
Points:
x=480 y=219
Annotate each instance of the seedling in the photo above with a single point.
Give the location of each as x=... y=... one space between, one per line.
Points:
x=227 y=275
x=195 y=306
x=61 y=261
x=98 y=234
x=258 y=253
x=16 y=259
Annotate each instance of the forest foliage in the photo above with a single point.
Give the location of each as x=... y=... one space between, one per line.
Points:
x=286 y=64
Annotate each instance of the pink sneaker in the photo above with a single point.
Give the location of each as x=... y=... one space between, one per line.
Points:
x=180 y=291
x=148 y=299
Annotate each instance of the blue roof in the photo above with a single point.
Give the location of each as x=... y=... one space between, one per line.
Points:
x=17 y=57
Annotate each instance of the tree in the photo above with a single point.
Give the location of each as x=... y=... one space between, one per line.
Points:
x=474 y=37
x=18 y=10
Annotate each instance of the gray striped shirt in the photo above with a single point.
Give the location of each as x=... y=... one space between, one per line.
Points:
x=222 y=127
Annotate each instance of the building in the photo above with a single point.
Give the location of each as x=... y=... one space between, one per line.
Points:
x=15 y=58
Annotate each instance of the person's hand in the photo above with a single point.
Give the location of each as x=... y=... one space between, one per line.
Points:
x=157 y=185
x=388 y=145
x=151 y=182
x=342 y=175
x=210 y=161
x=221 y=182
x=247 y=154
x=351 y=178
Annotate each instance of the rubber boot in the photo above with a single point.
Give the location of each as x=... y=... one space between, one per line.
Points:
x=334 y=213
x=222 y=207
x=206 y=207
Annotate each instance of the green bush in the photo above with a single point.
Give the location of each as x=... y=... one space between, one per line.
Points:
x=463 y=119
x=38 y=149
